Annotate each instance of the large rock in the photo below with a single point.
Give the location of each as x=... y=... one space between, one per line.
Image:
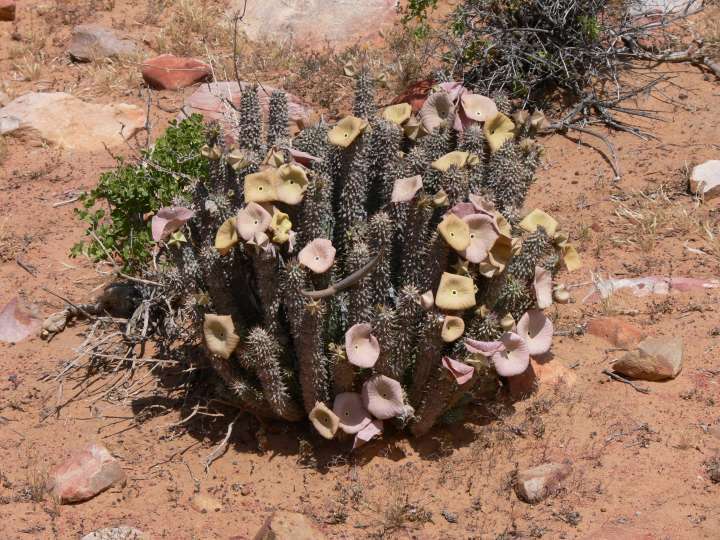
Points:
x=659 y=7
x=170 y=72
x=616 y=331
x=535 y=484
x=93 y=42
x=539 y=375
x=60 y=119
x=338 y=22
x=208 y=100
x=705 y=179
x=85 y=474
x=655 y=359
x=116 y=533
x=284 y=525
x=7 y=10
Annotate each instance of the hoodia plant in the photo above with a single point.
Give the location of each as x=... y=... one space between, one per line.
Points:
x=364 y=275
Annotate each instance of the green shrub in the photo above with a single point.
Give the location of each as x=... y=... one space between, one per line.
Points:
x=114 y=210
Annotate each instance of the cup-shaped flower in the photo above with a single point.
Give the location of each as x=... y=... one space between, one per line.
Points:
x=251 y=220
x=510 y=355
x=303 y=157
x=344 y=133
x=455 y=159
x=478 y=108
x=260 y=186
x=362 y=348
x=373 y=429
x=324 y=420
x=238 y=159
x=482 y=205
x=542 y=284
x=292 y=183
x=280 y=225
x=507 y=322
x=220 y=336
x=537 y=331
x=383 y=397
x=455 y=232
x=318 y=255
x=498 y=130
x=427 y=300
x=538 y=218
x=414 y=129
x=404 y=189
x=460 y=371
x=453 y=327
x=226 y=236
x=483 y=234
x=438 y=110
x=353 y=415
x=397 y=114
x=168 y=220
x=455 y=292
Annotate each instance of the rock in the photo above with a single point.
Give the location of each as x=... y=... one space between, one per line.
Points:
x=208 y=101
x=117 y=533
x=60 y=119
x=415 y=94
x=616 y=532
x=7 y=10
x=705 y=179
x=337 y=22
x=85 y=474
x=205 y=504
x=284 y=525
x=169 y=72
x=655 y=359
x=539 y=374
x=92 y=42
x=535 y=484
x=616 y=331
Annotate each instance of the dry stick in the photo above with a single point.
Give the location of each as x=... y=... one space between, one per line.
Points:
x=345 y=283
x=615 y=376
x=221 y=448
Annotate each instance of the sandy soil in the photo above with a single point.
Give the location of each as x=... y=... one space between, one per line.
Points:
x=638 y=459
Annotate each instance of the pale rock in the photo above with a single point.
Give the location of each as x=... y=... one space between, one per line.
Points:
x=535 y=484
x=93 y=42
x=658 y=7
x=117 y=533
x=337 y=22
x=85 y=474
x=205 y=504
x=705 y=179
x=63 y=120
x=655 y=359
x=169 y=72
x=284 y=525
x=208 y=101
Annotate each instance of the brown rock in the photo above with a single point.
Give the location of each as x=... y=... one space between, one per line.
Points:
x=655 y=359
x=85 y=474
x=540 y=374
x=7 y=10
x=535 y=484
x=93 y=42
x=205 y=504
x=616 y=331
x=208 y=101
x=616 y=532
x=169 y=72
x=415 y=94
x=284 y=525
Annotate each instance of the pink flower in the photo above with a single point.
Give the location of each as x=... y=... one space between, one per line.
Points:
x=352 y=414
x=371 y=430
x=483 y=234
x=318 y=255
x=361 y=346
x=168 y=220
x=251 y=220
x=510 y=354
x=537 y=331
x=405 y=189
x=460 y=371
x=383 y=397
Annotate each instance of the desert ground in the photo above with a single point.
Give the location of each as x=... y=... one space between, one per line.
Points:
x=644 y=465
